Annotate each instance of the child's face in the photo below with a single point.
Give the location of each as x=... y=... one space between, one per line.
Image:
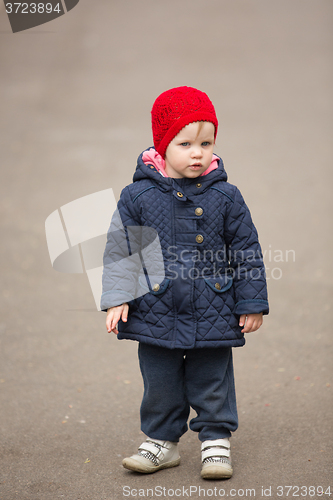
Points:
x=190 y=153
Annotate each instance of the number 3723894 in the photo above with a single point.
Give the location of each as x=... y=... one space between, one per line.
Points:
x=303 y=491
x=32 y=8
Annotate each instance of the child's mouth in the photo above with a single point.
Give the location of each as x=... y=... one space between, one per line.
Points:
x=196 y=166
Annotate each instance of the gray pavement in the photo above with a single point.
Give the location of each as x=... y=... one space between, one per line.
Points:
x=75 y=98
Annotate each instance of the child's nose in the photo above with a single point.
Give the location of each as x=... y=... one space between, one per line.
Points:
x=197 y=152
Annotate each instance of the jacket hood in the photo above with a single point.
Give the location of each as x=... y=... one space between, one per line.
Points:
x=149 y=171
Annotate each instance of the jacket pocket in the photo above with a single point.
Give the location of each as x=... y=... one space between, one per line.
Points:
x=220 y=284
x=157 y=287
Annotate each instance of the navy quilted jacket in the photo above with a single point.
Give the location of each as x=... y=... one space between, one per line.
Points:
x=213 y=267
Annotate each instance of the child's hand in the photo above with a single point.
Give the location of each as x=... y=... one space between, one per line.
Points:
x=113 y=315
x=251 y=322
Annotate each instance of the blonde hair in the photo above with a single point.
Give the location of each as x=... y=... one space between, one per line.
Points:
x=201 y=123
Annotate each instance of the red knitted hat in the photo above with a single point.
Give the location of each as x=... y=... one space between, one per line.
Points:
x=176 y=108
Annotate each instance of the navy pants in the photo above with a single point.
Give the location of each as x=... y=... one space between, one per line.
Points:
x=177 y=379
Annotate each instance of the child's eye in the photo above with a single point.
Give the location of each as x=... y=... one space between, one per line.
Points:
x=206 y=143
x=184 y=143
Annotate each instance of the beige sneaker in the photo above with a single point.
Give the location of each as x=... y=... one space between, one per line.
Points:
x=152 y=456
x=216 y=459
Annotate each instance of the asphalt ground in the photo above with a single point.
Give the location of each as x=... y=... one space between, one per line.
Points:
x=76 y=95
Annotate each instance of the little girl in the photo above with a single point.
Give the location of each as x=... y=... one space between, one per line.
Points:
x=213 y=288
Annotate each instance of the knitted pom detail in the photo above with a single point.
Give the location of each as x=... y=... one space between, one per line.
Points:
x=176 y=108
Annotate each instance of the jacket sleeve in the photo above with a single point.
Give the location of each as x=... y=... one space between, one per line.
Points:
x=121 y=260
x=245 y=259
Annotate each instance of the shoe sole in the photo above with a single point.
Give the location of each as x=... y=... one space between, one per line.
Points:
x=135 y=466
x=216 y=472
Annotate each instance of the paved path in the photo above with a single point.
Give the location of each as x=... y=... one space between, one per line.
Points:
x=75 y=101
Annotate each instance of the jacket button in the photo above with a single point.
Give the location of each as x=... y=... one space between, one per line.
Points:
x=198 y=211
x=180 y=194
x=198 y=185
x=217 y=286
x=199 y=238
x=156 y=287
